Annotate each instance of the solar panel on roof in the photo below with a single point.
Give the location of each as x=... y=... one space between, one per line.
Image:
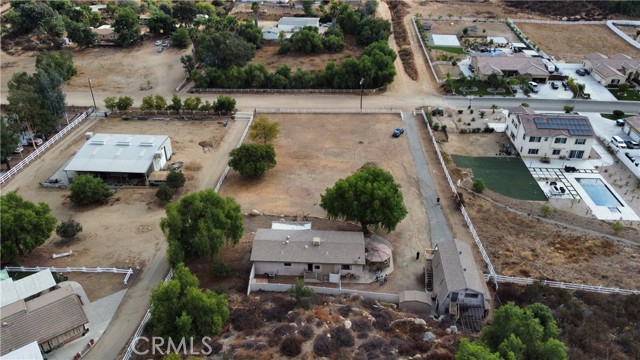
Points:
x=574 y=126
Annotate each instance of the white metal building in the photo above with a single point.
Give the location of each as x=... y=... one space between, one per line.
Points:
x=445 y=40
x=121 y=159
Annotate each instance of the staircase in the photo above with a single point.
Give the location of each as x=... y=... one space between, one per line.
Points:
x=428 y=273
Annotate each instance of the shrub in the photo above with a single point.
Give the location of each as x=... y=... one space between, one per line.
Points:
x=302 y=294
x=291 y=346
x=546 y=210
x=68 y=229
x=245 y=320
x=436 y=126
x=86 y=189
x=221 y=270
x=478 y=185
x=482 y=114
x=165 y=193
x=488 y=129
x=460 y=111
x=324 y=346
x=616 y=227
x=525 y=104
x=342 y=336
x=175 y=179
x=306 y=332
x=618 y=113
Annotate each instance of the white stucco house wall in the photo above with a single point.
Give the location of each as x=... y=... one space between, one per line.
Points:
x=556 y=136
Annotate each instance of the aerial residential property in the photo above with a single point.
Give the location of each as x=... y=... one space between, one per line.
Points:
x=557 y=136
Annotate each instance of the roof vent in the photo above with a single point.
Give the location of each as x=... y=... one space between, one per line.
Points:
x=316 y=241
x=123 y=143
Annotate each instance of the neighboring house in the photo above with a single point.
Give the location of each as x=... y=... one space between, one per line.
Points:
x=288 y=26
x=53 y=319
x=30 y=351
x=106 y=34
x=311 y=252
x=612 y=70
x=505 y=65
x=459 y=288
x=34 y=308
x=556 y=136
x=632 y=127
x=121 y=158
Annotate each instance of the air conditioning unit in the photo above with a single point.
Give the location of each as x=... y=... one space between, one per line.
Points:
x=316 y=241
x=88 y=135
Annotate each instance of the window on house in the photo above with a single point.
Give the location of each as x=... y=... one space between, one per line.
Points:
x=535 y=139
x=317 y=267
x=471 y=296
x=546 y=138
x=287 y=264
x=560 y=140
x=581 y=141
x=346 y=267
x=524 y=136
x=533 y=151
x=615 y=81
x=556 y=152
x=513 y=136
x=576 y=154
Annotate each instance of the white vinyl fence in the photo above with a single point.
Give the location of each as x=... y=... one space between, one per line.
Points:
x=83 y=269
x=561 y=285
x=476 y=238
x=39 y=151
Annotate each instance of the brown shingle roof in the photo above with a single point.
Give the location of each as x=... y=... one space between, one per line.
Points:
x=336 y=247
x=634 y=123
x=523 y=65
x=42 y=319
x=617 y=64
x=552 y=125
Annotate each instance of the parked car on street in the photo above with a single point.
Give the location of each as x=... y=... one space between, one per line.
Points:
x=160 y=49
x=36 y=142
x=620 y=122
x=632 y=144
x=555 y=86
x=581 y=72
x=159 y=42
x=534 y=86
x=397 y=132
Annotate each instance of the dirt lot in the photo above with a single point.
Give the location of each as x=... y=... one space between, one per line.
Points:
x=268 y=55
x=477 y=9
x=124 y=233
x=314 y=151
x=571 y=42
x=124 y=73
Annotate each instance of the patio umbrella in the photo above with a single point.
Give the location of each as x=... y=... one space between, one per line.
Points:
x=377 y=252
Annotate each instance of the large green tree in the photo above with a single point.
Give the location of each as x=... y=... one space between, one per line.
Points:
x=60 y=62
x=9 y=140
x=264 y=131
x=222 y=49
x=81 y=34
x=253 y=160
x=86 y=190
x=127 y=26
x=200 y=224
x=161 y=23
x=181 y=39
x=185 y=11
x=528 y=333
x=25 y=226
x=370 y=196
x=180 y=309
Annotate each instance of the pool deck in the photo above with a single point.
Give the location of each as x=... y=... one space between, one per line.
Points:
x=554 y=172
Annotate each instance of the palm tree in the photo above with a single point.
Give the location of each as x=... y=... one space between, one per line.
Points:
x=334 y=9
x=255 y=8
x=493 y=108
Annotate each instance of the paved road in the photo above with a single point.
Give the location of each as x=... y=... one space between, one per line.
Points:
x=438 y=226
x=629 y=107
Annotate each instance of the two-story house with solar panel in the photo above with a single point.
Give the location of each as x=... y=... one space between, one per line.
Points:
x=555 y=136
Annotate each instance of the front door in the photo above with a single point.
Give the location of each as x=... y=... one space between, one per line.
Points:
x=310 y=267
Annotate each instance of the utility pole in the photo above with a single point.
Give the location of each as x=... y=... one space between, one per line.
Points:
x=361 y=91
x=92 y=97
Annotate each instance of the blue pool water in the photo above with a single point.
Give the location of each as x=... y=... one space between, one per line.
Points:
x=495 y=52
x=599 y=192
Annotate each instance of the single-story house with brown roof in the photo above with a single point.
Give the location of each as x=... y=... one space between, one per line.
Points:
x=296 y=252
x=612 y=70
x=52 y=319
x=507 y=65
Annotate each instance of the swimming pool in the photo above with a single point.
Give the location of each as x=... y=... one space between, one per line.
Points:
x=599 y=193
x=495 y=52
